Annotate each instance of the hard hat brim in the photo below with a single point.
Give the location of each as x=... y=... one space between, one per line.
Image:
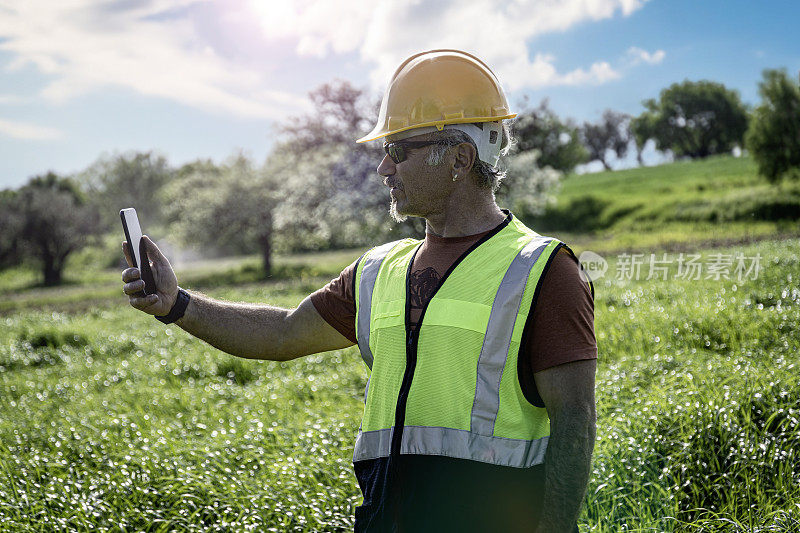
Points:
x=379 y=132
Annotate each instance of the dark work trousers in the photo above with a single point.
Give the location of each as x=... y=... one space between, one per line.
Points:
x=432 y=493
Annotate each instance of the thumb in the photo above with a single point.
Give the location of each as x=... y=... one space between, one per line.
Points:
x=153 y=252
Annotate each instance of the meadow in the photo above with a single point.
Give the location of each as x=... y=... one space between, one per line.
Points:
x=111 y=421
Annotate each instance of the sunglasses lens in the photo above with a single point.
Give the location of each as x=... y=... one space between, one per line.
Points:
x=396 y=152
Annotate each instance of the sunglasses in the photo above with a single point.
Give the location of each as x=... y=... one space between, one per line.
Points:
x=398 y=150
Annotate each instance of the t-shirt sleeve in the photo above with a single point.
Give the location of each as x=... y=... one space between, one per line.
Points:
x=562 y=326
x=336 y=303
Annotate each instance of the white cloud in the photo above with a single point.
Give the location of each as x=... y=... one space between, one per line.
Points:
x=165 y=49
x=497 y=31
x=30 y=132
x=83 y=45
x=600 y=72
x=12 y=99
x=637 y=55
x=542 y=73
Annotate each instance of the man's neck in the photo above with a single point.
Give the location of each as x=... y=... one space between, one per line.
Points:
x=462 y=222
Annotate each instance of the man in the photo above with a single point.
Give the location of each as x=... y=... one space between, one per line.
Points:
x=479 y=411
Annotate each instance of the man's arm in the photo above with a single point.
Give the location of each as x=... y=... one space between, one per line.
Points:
x=568 y=394
x=260 y=332
x=251 y=331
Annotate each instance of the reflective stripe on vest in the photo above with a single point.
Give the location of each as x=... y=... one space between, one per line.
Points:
x=506 y=319
x=369 y=273
x=456 y=443
x=497 y=341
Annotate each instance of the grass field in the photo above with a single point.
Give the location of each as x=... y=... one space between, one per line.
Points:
x=111 y=421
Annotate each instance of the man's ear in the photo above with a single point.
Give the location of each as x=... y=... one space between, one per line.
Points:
x=464 y=156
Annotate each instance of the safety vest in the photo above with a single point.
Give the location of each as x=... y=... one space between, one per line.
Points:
x=450 y=387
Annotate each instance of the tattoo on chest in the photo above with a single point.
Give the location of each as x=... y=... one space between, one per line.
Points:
x=422 y=285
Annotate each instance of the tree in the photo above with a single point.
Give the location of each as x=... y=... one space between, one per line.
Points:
x=331 y=195
x=557 y=142
x=56 y=221
x=10 y=229
x=228 y=207
x=318 y=208
x=774 y=134
x=611 y=133
x=128 y=180
x=694 y=119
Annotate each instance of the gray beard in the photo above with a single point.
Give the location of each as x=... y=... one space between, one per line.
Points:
x=397 y=217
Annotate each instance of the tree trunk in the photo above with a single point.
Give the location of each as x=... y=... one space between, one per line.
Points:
x=52 y=271
x=265 y=242
x=606 y=165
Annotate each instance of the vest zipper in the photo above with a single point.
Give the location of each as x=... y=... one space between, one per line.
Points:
x=411 y=364
x=402 y=398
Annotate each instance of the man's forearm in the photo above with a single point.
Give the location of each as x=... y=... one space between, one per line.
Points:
x=567 y=467
x=244 y=330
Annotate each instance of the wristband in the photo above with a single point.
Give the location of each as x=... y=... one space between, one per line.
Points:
x=178 y=309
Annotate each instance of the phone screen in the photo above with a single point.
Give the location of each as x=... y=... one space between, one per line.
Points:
x=133 y=233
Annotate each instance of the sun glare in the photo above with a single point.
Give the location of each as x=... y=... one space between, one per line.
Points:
x=279 y=19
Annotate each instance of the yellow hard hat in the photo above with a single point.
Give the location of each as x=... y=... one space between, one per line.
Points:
x=436 y=88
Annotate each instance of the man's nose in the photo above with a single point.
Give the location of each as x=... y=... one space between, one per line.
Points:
x=387 y=166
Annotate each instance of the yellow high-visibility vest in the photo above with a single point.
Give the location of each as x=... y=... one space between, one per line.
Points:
x=451 y=387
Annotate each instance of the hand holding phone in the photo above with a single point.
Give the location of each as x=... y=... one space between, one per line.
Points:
x=133 y=236
x=152 y=288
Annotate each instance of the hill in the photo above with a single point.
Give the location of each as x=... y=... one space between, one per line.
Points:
x=716 y=201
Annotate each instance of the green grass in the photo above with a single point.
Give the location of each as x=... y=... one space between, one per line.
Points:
x=110 y=421
x=699 y=401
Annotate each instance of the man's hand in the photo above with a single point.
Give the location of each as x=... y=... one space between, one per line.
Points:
x=166 y=282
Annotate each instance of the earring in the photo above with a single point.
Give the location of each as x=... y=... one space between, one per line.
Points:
x=455 y=176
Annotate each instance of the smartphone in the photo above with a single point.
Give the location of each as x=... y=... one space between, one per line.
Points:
x=133 y=236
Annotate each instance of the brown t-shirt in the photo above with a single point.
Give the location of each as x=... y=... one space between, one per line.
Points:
x=560 y=331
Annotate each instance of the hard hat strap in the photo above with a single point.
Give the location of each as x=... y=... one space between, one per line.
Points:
x=487 y=136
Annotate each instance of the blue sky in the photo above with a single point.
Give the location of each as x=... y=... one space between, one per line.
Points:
x=194 y=79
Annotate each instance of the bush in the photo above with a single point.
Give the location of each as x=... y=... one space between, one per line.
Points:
x=583 y=214
x=52 y=338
